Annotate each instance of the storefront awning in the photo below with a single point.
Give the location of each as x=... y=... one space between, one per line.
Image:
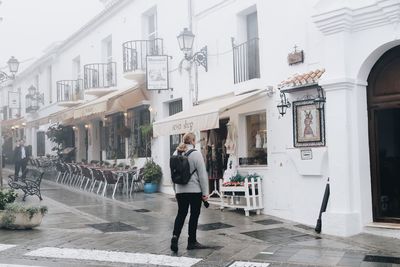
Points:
x=204 y=116
x=93 y=107
x=62 y=116
x=13 y=122
x=107 y=104
x=126 y=100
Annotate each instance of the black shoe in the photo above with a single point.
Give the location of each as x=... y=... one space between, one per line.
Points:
x=196 y=245
x=174 y=244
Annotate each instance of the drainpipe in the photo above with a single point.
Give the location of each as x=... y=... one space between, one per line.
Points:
x=192 y=87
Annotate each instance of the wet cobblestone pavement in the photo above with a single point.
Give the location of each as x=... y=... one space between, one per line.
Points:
x=83 y=229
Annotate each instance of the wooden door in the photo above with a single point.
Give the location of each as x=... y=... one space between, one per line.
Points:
x=384 y=136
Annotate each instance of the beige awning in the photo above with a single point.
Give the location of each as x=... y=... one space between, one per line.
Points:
x=62 y=116
x=118 y=101
x=13 y=122
x=127 y=100
x=93 y=107
x=204 y=116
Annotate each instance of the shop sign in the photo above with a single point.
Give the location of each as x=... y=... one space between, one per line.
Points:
x=13 y=100
x=157 y=73
x=295 y=57
x=306 y=154
x=186 y=126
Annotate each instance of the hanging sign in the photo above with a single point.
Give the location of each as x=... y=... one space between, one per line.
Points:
x=157 y=73
x=13 y=100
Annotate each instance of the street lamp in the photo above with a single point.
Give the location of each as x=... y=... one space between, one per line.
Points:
x=320 y=100
x=13 y=65
x=186 y=40
x=33 y=98
x=283 y=105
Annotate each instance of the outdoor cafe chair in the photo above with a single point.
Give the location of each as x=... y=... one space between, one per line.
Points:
x=86 y=175
x=137 y=184
x=60 y=171
x=111 y=179
x=98 y=177
x=66 y=173
x=78 y=175
x=75 y=174
x=133 y=178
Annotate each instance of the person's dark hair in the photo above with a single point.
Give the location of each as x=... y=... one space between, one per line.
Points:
x=187 y=139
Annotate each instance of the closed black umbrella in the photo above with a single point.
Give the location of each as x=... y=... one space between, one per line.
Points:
x=323 y=208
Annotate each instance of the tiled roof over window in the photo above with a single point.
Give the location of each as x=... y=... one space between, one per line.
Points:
x=304 y=79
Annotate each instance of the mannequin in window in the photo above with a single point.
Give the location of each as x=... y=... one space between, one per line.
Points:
x=230 y=142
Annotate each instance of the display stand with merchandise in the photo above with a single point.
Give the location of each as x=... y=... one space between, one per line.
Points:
x=246 y=195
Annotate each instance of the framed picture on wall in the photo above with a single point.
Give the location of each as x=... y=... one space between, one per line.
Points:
x=308 y=124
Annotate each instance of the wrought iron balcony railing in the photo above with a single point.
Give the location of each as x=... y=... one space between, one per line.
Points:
x=135 y=53
x=246 y=61
x=100 y=75
x=69 y=90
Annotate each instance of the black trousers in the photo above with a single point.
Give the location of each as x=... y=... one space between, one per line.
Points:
x=20 y=165
x=184 y=201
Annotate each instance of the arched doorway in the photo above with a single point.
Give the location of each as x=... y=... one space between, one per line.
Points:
x=383 y=93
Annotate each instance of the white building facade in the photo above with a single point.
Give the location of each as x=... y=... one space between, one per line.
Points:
x=349 y=50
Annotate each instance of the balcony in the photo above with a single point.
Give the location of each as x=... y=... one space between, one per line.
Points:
x=135 y=53
x=70 y=92
x=246 y=61
x=100 y=78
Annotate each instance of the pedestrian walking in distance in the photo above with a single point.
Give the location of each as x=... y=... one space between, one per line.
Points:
x=21 y=157
x=189 y=175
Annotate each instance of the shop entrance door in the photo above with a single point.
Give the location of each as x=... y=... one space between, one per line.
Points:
x=216 y=157
x=384 y=135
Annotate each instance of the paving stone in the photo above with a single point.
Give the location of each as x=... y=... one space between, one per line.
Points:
x=305 y=227
x=113 y=227
x=279 y=235
x=213 y=226
x=382 y=259
x=268 y=222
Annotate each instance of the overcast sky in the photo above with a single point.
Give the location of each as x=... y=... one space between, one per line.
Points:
x=30 y=26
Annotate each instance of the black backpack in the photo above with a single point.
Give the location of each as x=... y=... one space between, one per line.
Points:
x=180 y=168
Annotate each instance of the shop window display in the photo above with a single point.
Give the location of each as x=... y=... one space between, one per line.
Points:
x=215 y=154
x=138 y=117
x=115 y=142
x=256 y=132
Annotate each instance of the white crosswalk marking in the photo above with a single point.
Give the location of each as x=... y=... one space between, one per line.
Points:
x=113 y=256
x=248 y=264
x=13 y=265
x=4 y=247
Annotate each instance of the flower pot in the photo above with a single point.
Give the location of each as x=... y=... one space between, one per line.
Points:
x=150 y=188
x=21 y=220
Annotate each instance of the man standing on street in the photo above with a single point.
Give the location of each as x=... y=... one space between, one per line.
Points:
x=21 y=157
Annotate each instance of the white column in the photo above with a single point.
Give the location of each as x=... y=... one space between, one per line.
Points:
x=34 y=141
x=342 y=216
x=80 y=145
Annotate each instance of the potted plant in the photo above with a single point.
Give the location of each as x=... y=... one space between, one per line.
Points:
x=152 y=175
x=17 y=216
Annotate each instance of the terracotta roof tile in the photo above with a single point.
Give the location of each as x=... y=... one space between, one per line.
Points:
x=302 y=79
